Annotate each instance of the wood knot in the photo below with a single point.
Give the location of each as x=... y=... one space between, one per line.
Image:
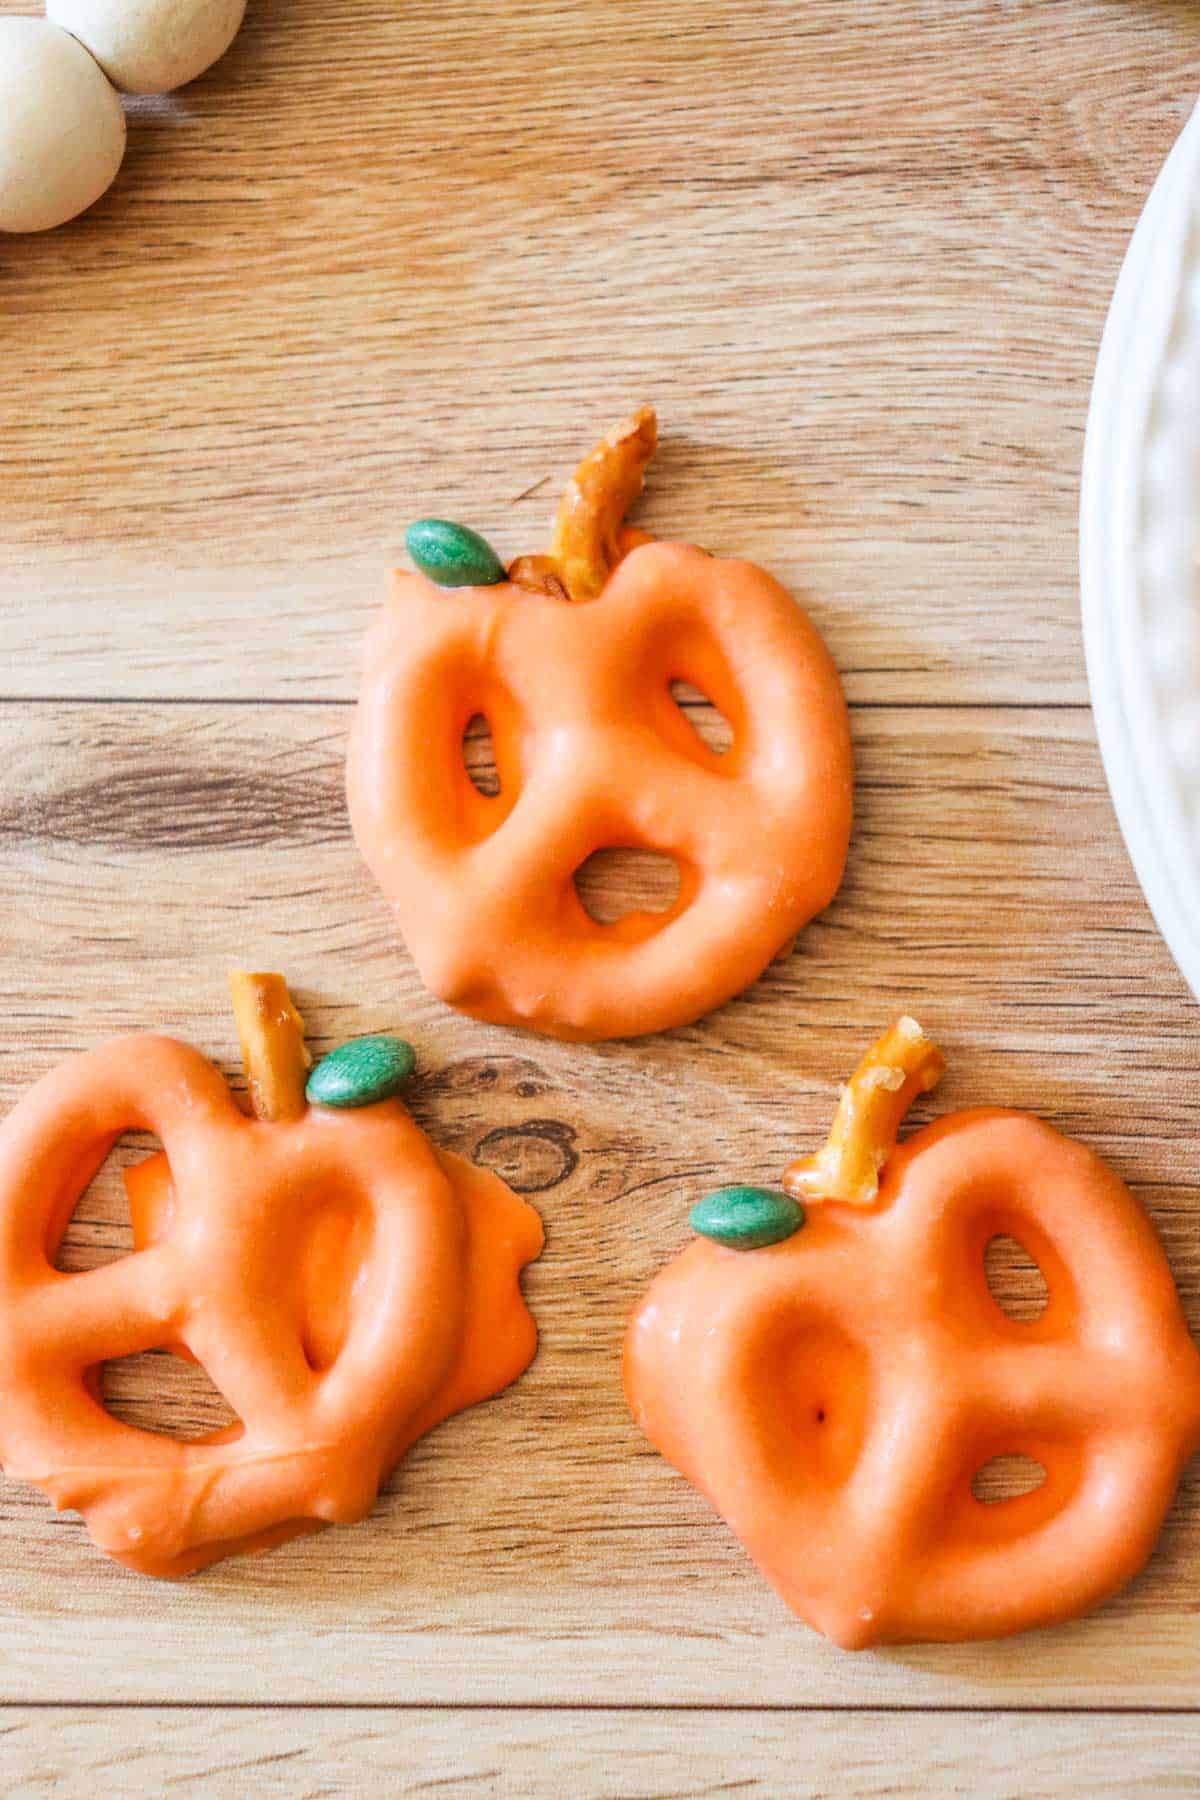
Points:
x=530 y=1157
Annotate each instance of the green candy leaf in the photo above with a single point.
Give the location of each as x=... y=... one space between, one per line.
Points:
x=361 y=1072
x=452 y=555
x=746 y=1218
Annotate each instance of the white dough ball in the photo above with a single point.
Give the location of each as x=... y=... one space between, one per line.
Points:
x=151 y=46
x=62 y=126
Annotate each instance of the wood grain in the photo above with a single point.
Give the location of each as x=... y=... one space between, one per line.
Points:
x=539 y=1754
x=165 y=842
x=859 y=256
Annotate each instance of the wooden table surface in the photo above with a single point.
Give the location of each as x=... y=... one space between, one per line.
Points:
x=394 y=259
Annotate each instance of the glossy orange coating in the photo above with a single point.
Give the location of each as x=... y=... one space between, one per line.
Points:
x=345 y=1285
x=834 y=1395
x=593 y=752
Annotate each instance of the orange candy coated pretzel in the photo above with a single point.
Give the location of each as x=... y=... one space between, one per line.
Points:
x=345 y=1285
x=833 y=1395
x=593 y=752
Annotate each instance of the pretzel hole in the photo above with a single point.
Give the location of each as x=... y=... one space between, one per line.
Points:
x=162 y=1393
x=1015 y=1281
x=813 y=1380
x=1007 y=1478
x=704 y=716
x=479 y=756
x=99 y=1229
x=615 y=882
x=327 y=1255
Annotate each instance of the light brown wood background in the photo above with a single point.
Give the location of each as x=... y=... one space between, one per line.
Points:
x=400 y=258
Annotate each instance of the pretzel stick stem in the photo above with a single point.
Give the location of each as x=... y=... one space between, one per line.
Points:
x=272 y=1039
x=586 y=543
x=901 y=1065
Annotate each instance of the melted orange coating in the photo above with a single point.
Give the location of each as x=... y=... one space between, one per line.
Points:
x=834 y=1395
x=593 y=753
x=345 y=1286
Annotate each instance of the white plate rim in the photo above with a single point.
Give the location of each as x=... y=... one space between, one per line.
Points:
x=1140 y=583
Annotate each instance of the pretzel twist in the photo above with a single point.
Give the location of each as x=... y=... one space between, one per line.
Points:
x=344 y=1286
x=834 y=1395
x=593 y=753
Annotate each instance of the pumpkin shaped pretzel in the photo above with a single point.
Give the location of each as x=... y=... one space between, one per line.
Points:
x=834 y=1379
x=571 y=658
x=345 y=1285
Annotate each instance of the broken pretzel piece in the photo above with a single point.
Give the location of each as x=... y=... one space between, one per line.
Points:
x=271 y=1033
x=901 y=1065
x=586 y=544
